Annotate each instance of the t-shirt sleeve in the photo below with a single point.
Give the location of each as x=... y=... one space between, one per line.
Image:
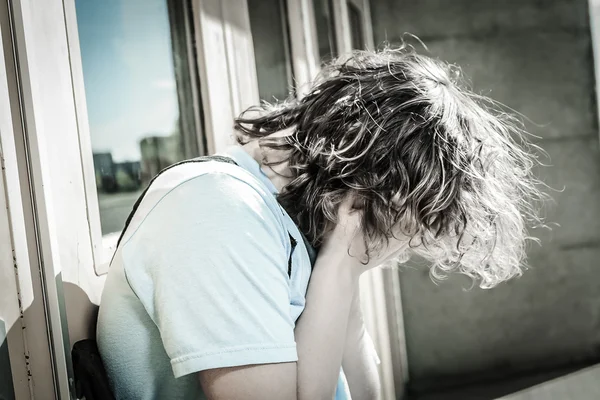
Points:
x=209 y=264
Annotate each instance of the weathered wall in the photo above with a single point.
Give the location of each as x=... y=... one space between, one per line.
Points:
x=534 y=56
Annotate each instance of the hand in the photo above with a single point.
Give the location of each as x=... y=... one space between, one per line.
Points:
x=346 y=243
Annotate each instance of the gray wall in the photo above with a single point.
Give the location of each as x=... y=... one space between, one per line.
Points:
x=534 y=56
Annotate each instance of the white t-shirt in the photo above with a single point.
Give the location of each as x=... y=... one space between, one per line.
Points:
x=201 y=280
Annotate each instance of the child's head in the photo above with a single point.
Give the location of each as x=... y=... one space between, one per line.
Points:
x=422 y=156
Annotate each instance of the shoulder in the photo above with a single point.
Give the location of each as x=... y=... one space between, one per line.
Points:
x=215 y=175
x=192 y=199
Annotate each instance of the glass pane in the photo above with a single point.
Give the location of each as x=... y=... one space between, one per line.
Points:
x=139 y=120
x=268 y=24
x=356 y=27
x=325 y=29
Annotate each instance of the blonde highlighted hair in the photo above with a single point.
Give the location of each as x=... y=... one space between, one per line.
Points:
x=420 y=153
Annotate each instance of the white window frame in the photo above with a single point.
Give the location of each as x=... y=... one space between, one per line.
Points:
x=342 y=24
x=304 y=47
x=17 y=287
x=103 y=246
x=222 y=43
x=46 y=157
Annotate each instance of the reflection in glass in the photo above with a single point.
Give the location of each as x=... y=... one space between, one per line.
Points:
x=356 y=27
x=325 y=29
x=268 y=24
x=138 y=119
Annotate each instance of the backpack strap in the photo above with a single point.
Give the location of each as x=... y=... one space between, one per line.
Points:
x=193 y=160
x=218 y=158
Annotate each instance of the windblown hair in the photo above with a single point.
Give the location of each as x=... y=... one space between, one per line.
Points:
x=421 y=155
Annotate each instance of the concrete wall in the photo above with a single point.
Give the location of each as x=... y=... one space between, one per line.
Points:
x=535 y=56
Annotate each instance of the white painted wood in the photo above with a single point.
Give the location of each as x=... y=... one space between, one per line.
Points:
x=57 y=166
x=10 y=310
x=16 y=291
x=342 y=26
x=367 y=27
x=304 y=47
x=367 y=24
x=39 y=40
x=374 y=305
x=100 y=251
x=240 y=55
x=215 y=72
x=34 y=336
x=397 y=333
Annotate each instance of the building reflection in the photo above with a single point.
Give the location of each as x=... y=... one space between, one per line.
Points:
x=120 y=183
x=157 y=153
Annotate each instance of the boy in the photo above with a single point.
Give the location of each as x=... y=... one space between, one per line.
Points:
x=386 y=157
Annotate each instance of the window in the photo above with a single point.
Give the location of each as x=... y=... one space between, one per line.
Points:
x=355 y=17
x=324 y=21
x=270 y=35
x=142 y=95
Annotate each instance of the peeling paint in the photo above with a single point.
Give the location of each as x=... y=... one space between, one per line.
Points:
x=26 y=353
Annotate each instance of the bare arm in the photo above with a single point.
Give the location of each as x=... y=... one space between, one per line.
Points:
x=358 y=361
x=250 y=382
x=321 y=330
x=320 y=333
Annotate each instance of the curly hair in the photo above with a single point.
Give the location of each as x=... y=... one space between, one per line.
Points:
x=419 y=152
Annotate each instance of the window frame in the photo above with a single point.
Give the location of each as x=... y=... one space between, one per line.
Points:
x=303 y=43
x=104 y=246
x=41 y=104
x=18 y=289
x=342 y=24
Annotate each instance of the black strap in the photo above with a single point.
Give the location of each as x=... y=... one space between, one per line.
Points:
x=293 y=242
x=139 y=200
x=193 y=160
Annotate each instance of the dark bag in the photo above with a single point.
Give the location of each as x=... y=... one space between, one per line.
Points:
x=91 y=381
